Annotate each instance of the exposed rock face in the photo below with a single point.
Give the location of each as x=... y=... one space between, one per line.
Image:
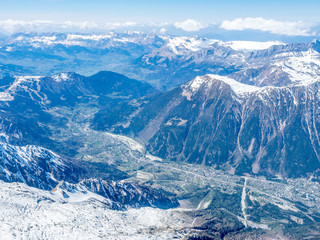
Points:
x=218 y=121
x=43 y=169
x=35 y=166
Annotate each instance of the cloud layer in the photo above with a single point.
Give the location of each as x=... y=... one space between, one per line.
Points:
x=13 y=26
x=297 y=28
x=190 y=25
x=293 y=28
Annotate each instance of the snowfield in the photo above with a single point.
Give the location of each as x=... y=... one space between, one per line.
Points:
x=30 y=213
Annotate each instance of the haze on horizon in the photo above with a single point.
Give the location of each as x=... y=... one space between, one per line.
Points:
x=231 y=19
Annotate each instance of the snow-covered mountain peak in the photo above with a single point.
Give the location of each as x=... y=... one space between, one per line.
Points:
x=37 y=39
x=101 y=40
x=303 y=68
x=92 y=37
x=206 y=82
x=62 y=77
x=237 y=87
x=251 y=45
x=180 y=45
x=19 y=80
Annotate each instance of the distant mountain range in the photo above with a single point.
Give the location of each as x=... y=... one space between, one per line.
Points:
x=163 y=61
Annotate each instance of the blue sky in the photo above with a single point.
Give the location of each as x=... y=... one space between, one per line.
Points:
x=158 y=11
x=277 y=17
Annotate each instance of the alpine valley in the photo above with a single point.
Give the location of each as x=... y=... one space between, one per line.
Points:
x=145 y=136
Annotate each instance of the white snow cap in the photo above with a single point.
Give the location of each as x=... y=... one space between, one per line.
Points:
x=239 y=88
x=251 y=45
x=61 y=77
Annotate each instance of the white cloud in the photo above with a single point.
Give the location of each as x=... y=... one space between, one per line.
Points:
x=120 y=25
x=297 y=28
x=77 y=25
x=163 y=30
x=13 y=26
x=190 y=25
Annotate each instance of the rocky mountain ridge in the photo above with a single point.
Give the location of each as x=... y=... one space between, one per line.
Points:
x=241 y=128
x=40 y=168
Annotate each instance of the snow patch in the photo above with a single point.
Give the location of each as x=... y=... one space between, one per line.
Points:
x=93 y=37
x=20 y=82
x=176 y=122
x=251 y=45
x=9 y=49
x=152 y=158
x=250 y=148
x=62 y=77
x=5 y=97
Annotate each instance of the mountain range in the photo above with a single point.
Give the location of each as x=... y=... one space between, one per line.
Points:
x=222 y=137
